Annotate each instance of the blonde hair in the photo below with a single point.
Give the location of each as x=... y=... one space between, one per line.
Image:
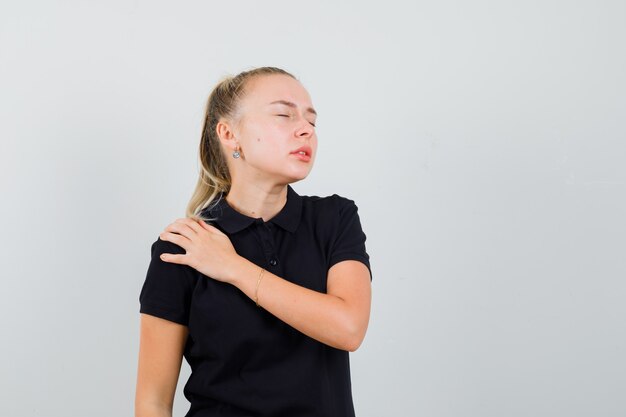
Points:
x=223 y=102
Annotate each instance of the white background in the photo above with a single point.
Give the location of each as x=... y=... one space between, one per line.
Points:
x=483 y=142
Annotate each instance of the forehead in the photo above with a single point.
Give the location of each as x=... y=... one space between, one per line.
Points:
x=265 y=89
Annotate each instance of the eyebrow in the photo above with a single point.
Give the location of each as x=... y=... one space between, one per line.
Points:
x=290 y=104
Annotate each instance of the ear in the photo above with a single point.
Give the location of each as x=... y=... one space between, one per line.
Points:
x=226 y=134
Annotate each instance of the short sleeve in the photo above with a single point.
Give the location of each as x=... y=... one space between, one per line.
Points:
x=349 y=239
x=167 y=289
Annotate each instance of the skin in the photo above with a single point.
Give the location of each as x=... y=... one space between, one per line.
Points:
x=266 y=135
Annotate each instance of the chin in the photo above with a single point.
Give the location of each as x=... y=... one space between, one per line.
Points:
x=297 y=176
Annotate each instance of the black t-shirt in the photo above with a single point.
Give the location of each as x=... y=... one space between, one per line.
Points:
x=244 y=361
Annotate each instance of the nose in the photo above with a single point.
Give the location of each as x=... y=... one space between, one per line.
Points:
x=305 y=128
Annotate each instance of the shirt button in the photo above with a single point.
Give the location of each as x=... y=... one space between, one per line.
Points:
x=273 y=262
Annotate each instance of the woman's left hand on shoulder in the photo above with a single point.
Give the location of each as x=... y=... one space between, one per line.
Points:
x=207 y=249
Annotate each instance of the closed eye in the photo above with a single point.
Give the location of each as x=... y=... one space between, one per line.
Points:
x=286 y=115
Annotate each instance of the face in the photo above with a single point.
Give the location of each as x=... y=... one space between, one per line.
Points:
x=277 y=119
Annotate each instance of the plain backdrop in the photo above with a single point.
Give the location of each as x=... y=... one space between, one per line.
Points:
x=483 y=142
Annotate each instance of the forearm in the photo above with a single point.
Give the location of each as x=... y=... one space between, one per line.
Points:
x=321 y=316
x=152 y=410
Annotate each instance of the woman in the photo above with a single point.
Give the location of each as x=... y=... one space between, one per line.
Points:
x=263 y=291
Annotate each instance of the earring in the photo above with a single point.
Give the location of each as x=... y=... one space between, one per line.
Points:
x=236 y=154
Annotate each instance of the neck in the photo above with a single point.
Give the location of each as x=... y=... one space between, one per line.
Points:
x=257 y=202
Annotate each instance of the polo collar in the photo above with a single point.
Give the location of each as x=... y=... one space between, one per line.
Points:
x=232 y=221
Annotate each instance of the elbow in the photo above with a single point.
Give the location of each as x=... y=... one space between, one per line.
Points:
x=352 y=345
x=353 y=338
x=351 y=327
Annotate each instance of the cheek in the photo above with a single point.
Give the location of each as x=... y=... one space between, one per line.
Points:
x=268 y=148
x=265 y=134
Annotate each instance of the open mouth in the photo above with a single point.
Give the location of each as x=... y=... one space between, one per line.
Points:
x=303 y=156
x=303 y=150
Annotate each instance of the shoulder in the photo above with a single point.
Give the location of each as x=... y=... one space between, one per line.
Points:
x=160 y=247
x=329 y=214
x=327 y=205
x=164 y=246
x=159 y=270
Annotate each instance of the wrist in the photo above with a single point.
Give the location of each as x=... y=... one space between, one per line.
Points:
x=239 y=271
x=246 y=277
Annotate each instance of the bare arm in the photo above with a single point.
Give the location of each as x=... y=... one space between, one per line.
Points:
x=338 y=318
x=161 y=349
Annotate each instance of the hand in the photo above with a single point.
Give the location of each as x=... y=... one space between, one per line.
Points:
x=207 y=249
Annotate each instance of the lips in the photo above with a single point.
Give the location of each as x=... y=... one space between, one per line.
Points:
x=306 y=149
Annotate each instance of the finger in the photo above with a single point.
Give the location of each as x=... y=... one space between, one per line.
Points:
x=172 y=258
x=180 y=240
x=191 y=223
x=210 y=227
x=205 y=225
x=181 y=229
